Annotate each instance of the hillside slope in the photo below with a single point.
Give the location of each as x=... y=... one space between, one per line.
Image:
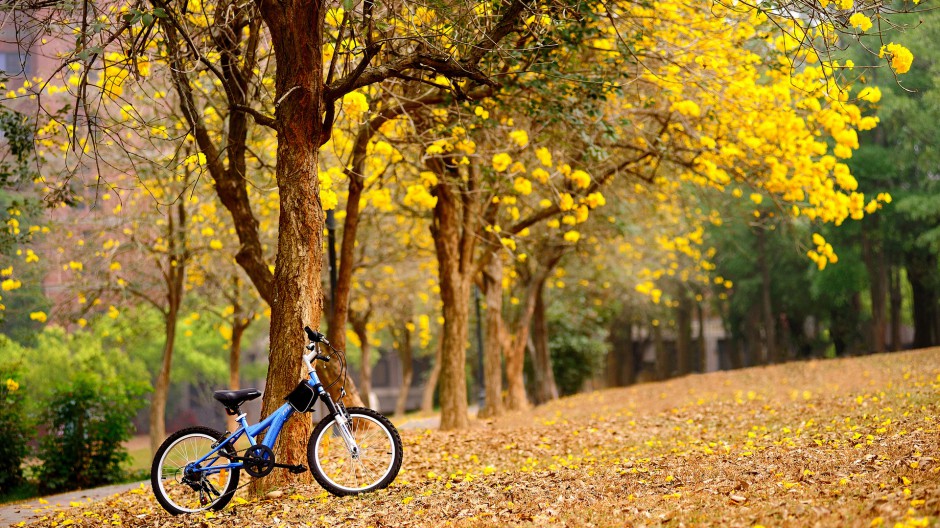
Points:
x=847 y=442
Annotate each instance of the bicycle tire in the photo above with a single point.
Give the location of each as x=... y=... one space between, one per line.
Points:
x=160 y=458
x=364 y=424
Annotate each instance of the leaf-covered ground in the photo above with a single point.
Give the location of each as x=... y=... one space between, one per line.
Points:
x=851 y=442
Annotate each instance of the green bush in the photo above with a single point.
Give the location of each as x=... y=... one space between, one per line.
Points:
x=14 y=429
x=88 y=423
x=576 y=358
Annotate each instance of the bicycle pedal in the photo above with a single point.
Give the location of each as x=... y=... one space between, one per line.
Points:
x=298 y=469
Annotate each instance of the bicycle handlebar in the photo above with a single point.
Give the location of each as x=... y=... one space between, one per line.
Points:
x=314 y=336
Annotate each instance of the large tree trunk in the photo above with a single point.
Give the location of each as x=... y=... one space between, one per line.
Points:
x=430 y=386
x=407 y=369
x=454 y=269
x=767 y=311
x=365 y=347
x=296 y=32
x=545 y=387
x=492 y=358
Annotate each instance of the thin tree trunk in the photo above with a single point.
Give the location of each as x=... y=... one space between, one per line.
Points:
x=407 y=370
x=684 y=333
x=492 y=358
x=162 y=386
x=430 y=386
x=239 y=325
x=921 y=270
x=702 y=343
x=895 y=294
x=359 y=324
x=174 y=276
x=767 y=312
x=873 y=255
x=545 y=387
x=662 y=359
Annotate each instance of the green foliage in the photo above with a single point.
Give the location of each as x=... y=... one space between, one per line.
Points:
x=88 y=422
x=82 y=392
x=14 y=428
x=577 y=350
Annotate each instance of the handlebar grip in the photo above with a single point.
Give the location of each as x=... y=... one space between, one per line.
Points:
x=314 y=336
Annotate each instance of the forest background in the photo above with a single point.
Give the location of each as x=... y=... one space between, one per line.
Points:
x=601 y=174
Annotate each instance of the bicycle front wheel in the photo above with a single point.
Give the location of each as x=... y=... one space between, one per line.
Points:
x=177 y=487
x=342 y=472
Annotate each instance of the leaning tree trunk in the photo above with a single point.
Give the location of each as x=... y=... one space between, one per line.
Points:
x=492 y=359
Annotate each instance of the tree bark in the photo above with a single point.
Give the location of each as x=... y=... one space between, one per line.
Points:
x=702 y=343
x=921 y=273
x=430 y=386
x=545 y=387
x=662 y=358
x=359 y=323
x=684 y=333
x=492 y=358
x=895 y=295
x=174 y=276
x=452 y=233
x=407 y=369
x=767 y=311
x=873 y=255
x=296 y=32
x=240 y=323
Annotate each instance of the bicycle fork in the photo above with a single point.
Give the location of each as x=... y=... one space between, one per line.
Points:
x=343 y=425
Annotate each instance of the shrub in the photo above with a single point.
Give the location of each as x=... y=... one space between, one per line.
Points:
x=14 y=429
x=575 y=359
x=88 y=423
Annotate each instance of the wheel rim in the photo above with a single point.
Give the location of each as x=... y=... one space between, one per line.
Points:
x=184 y=450
x=375 y=460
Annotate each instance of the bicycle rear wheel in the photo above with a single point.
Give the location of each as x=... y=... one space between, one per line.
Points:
x=341 y=472
x=180 y=493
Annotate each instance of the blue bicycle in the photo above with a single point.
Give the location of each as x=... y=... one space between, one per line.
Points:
x=350 y=451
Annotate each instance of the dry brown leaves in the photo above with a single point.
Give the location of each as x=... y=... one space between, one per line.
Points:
x=850 y=442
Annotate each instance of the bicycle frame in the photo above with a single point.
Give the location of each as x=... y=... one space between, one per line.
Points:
x=273 y=423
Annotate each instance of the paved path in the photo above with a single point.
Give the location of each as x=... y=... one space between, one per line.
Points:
x=11 y=514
